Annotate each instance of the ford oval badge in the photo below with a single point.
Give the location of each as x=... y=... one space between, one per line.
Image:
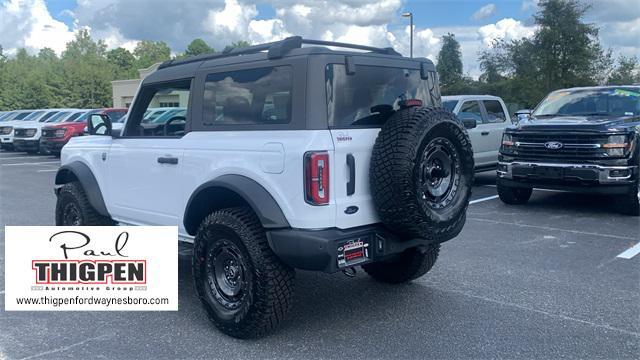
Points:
x=351 y=210
x=553 y=145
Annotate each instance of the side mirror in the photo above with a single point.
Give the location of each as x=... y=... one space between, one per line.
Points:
x=468 y=120
x=99 y=124
x=526 y=112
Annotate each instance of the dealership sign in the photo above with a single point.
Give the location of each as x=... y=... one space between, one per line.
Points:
x=91 y=268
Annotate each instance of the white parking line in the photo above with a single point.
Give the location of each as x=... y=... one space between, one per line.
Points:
x=33 y=163
x=47 y=170
x=535 y=189
x=631 y=252
x=24 y=157
x=483 y=199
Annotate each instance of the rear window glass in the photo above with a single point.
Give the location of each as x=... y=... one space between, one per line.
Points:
x=369 y=97
x=249 y=97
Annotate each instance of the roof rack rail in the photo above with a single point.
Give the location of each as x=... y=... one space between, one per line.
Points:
x=276 y=49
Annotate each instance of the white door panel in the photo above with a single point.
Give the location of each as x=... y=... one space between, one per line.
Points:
x=144 y=180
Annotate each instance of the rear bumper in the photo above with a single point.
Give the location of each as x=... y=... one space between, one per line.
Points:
x=26 y=145
x=587 y=178
x=321 y=250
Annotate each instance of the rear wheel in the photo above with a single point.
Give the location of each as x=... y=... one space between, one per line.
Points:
x=409 y=265
x=245 y=289
x=73 y=208
x=513 y=195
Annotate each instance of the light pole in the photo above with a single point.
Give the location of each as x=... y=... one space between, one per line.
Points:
x=410 y=16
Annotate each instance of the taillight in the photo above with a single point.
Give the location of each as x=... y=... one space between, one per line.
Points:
x=316 y=177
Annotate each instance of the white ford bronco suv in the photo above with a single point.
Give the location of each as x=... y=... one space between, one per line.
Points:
x=288 y=157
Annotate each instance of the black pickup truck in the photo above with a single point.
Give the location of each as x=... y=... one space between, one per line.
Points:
x=581 y=140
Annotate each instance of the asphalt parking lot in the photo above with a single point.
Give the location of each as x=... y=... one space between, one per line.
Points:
x=537 y=281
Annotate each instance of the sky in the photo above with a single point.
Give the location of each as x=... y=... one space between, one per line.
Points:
x=34 y=24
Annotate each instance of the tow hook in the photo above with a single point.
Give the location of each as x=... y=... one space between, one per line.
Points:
x=349 y=272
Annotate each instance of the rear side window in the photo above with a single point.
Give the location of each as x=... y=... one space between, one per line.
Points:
x=370 y=95
x=495 y=113
x=248 y=97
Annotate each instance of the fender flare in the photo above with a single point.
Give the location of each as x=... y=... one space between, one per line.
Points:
x=88 y=181
x=258 y=198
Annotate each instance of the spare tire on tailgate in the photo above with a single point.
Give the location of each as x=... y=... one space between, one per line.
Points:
x=422 y=172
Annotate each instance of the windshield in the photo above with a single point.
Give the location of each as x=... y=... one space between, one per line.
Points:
x=47 y=116
x=169 y=115
x=153 y=115
x=623 y=101
x=22 y=116
x=450 y=104
x=84 y=116
x=31 y=116
x=57 y=117
x=73 y=116
x=7 y=116
x=372 y=94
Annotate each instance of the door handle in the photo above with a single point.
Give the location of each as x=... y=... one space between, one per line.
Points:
x=351 y=185
x=168 y=160
x=484 y=133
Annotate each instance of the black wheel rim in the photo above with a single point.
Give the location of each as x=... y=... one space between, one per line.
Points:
x=71 y=215
x=439 y=177
x=226 y=274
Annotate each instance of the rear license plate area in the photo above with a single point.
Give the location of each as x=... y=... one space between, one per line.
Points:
x=353 y=251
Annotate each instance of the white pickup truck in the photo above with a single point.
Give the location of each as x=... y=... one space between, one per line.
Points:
x=491 y=116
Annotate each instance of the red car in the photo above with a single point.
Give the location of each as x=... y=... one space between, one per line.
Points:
x=54 y=137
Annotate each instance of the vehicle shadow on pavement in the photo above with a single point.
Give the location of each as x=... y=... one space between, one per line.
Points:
x=323 y=302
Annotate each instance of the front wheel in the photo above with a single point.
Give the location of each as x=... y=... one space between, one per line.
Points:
x=245 y=289
x=410 y=265
x=73 y=208
x=630 y=203
x=514 y=196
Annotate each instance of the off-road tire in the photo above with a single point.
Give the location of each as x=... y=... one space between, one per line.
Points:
x=267 y=283
x=630 y=204
x=398 y=169
x=72 y=199
x=410 y=265
x=514 y=195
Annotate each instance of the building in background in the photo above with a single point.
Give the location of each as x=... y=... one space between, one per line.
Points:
x=124 y=90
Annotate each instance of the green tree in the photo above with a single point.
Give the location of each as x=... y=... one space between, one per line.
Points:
x=149 y=52
x=564 y=52
x=198 y=47
x=87 y=72
x=237 y=44
x=626 y=72
x=449 y=65
x=123 y=63
x=568 y=49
